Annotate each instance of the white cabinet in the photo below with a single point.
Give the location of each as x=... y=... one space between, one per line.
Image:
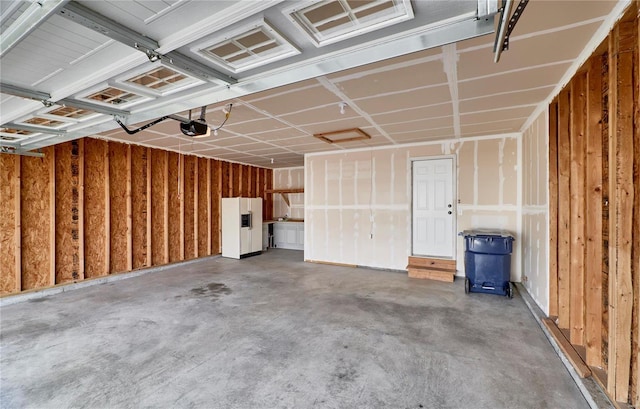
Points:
x=289 y=235
x=241 y=227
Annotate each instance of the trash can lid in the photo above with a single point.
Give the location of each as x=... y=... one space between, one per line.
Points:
x=486 y=232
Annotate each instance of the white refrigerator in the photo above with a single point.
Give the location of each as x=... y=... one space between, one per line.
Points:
x=241 y=227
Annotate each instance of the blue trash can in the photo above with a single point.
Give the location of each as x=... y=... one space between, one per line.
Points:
x=487 y=262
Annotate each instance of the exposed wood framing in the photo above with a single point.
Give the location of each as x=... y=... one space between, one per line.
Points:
x=120 y=206
x=10 y=258
x=204 y=207
x=564 y=210
x=268 y=199
x=69 y=212
x=175 y=207
x=38 y=220
x=159 y=211
x=149 y=225
x=217 y=192
x=96 y=213
x=235 y=180
x=141 y=214
x=577 y=193
x=553 y=208
x=188 y=201
x=581 y=368
x=593 y=217
x=623 y=49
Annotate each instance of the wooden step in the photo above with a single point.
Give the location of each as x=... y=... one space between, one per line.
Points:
x=443 y=264
x=431 y=273
x=432 y=268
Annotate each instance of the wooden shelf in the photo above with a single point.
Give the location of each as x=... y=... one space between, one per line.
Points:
x=285 y=193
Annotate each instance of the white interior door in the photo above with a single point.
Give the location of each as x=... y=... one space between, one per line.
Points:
x=433 y=208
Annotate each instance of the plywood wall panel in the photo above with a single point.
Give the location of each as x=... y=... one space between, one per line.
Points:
x=245 y=178
x=176 y=215
x=37 y=220
x=236 y=187
x=189 y=207
x=139 y=203
x=216 y=193
x=96 y=208
x=10 y=259
x=159 y=207
x=225 y=177
x=204 y=207
x=69 y=212
x=268 y=203
x=120 y=207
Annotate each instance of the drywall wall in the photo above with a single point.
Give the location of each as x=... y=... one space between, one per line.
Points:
x=352 y=195
x=288 y=178
x=535 y=272
x=92 y=207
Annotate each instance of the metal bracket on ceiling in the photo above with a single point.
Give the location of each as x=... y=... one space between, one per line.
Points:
x=11 y=150
x=505 y=29
x=70 y=102
x=88 y=18
x=34 y=129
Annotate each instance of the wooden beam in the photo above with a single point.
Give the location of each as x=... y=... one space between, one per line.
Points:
x=567 y=349
x=140 y=205
x=159 y=211
x=195 y=206
x=165 y=238
x=593 y=216
x=129 y=215
x=217 y=192
x=635 y=399
x=553 y=208
x=577 y=193
x=622 y=46
x=149 y=211
x=181 y=200
x=295 y=190
x=209 y=204
x=96 y=208
x=52 y=216
x=564 y=209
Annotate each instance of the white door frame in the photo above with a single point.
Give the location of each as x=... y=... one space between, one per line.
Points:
x=454 y=199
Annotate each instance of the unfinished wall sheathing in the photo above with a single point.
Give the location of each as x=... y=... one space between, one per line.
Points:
x=216 y=194
x=37 y=177
x=190 y=200
x=69 y=255
x=10 y=266
x=90 y=208
x=267 y=199
x=288 y=178
x=351 y=196
x=140 y=203
x=236 y=177
x=225 y=178
x=120 y=206
x=204 y=204
x=176 y=207
x=593 y=134
x=96 y=208
x=159 y=207
x=534 y=237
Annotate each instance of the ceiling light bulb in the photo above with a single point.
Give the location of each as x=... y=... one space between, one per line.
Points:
x=342 y=105
x=215 y=132
x=272 y=160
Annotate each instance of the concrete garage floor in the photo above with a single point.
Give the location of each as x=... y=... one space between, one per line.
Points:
x=274 y=332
